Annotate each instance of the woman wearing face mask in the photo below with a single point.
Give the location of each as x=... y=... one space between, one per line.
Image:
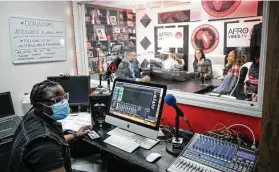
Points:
x=202 y=66
x=39 y=143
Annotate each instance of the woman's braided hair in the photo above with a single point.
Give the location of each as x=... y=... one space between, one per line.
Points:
x=39 y=91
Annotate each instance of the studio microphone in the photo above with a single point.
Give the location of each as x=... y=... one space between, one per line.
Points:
x=171 y=101
x=113 y=66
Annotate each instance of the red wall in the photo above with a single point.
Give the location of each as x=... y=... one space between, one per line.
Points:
x=202 y=119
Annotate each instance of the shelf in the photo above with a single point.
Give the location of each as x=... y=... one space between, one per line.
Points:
x=89 y=23
x=113 y=40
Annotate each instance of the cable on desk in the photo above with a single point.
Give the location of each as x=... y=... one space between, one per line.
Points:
x=221 y=131
x=251 y=131
x=167 y=130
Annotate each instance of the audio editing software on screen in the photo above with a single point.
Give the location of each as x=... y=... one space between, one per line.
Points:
x=136 y=102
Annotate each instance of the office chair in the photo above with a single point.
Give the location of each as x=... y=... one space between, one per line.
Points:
x=243 y=75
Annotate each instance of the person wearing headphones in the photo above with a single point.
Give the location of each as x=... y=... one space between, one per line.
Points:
x=39 y=143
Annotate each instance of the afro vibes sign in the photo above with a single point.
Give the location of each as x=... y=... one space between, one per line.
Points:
x=170 y=37
x=239 y=34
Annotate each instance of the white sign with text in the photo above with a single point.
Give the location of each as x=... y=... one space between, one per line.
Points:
x=36 y=40
x=239 y=34
x=170 y=37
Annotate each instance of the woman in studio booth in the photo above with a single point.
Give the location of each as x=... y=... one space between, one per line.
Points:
x=236 y=59
x=202 y=66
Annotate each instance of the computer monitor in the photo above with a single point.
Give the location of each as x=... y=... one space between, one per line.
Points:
x=136 y=106
x=76 y=86
x=6 y=103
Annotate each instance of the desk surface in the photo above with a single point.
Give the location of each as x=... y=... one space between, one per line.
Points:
x=190 y=86
x=138 y=156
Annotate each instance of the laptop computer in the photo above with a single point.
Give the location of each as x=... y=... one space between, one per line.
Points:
x=8 y=120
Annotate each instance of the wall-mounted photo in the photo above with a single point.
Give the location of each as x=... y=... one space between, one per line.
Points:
x=130 y=23
x=130 y=16
x=113 y=20
x=121 y=16
x=174 y=17
x=116 y=30
x=101 y=34
x=123 y=30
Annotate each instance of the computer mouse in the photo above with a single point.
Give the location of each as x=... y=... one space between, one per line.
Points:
x=153 y=157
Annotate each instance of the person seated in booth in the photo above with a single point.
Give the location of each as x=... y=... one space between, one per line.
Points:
x=129 y=68
x=170 y=60
x=39 y=143
x=202 y=66
x=235 y=58
x=251 y=85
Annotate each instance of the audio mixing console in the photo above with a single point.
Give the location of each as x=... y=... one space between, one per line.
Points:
x=209 y=154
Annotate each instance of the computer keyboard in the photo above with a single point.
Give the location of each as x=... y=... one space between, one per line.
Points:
x=11 y=123
x=122 y=143
x=144 y=142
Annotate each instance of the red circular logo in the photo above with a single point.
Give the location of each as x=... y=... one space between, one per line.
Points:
x=178 y=35
x=206 y=37
x=220 y=8
x=112 y=68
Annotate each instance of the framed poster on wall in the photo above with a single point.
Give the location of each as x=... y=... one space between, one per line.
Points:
x=239 y=34
x=37 y=40
x=165 y=36
x=174 y=17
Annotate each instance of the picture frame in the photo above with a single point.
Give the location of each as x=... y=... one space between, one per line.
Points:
x=97 y=20
x=126 y=36
x=123 y=30
x=116 y=30
x=88 y=18
x=89 y=46
x=99 y=13
x=130 y=23
x=113 y=20
x=130 y=16
x=101 y=34
x=121 y=16
x=90 y=54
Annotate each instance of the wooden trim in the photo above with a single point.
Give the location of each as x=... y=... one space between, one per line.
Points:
x=269 y=152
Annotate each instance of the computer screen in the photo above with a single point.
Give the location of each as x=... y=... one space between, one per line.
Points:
x=137 y=102
x=76 y=86
x=6 y=104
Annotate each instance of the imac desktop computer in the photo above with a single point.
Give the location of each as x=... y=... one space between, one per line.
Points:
x=77 y=87
x=136 y=107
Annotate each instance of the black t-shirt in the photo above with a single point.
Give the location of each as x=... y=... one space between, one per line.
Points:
x=43 y=155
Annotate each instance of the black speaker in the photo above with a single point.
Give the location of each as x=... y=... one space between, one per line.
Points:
x=99 y=108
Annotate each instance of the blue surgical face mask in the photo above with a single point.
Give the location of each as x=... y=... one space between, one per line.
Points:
x=60 y=110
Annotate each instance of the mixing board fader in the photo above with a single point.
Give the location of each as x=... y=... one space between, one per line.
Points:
x=208 y=154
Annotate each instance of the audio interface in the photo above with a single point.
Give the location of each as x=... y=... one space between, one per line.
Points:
x=209 y=154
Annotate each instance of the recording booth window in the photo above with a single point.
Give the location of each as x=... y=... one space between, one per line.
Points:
x=229 y=69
